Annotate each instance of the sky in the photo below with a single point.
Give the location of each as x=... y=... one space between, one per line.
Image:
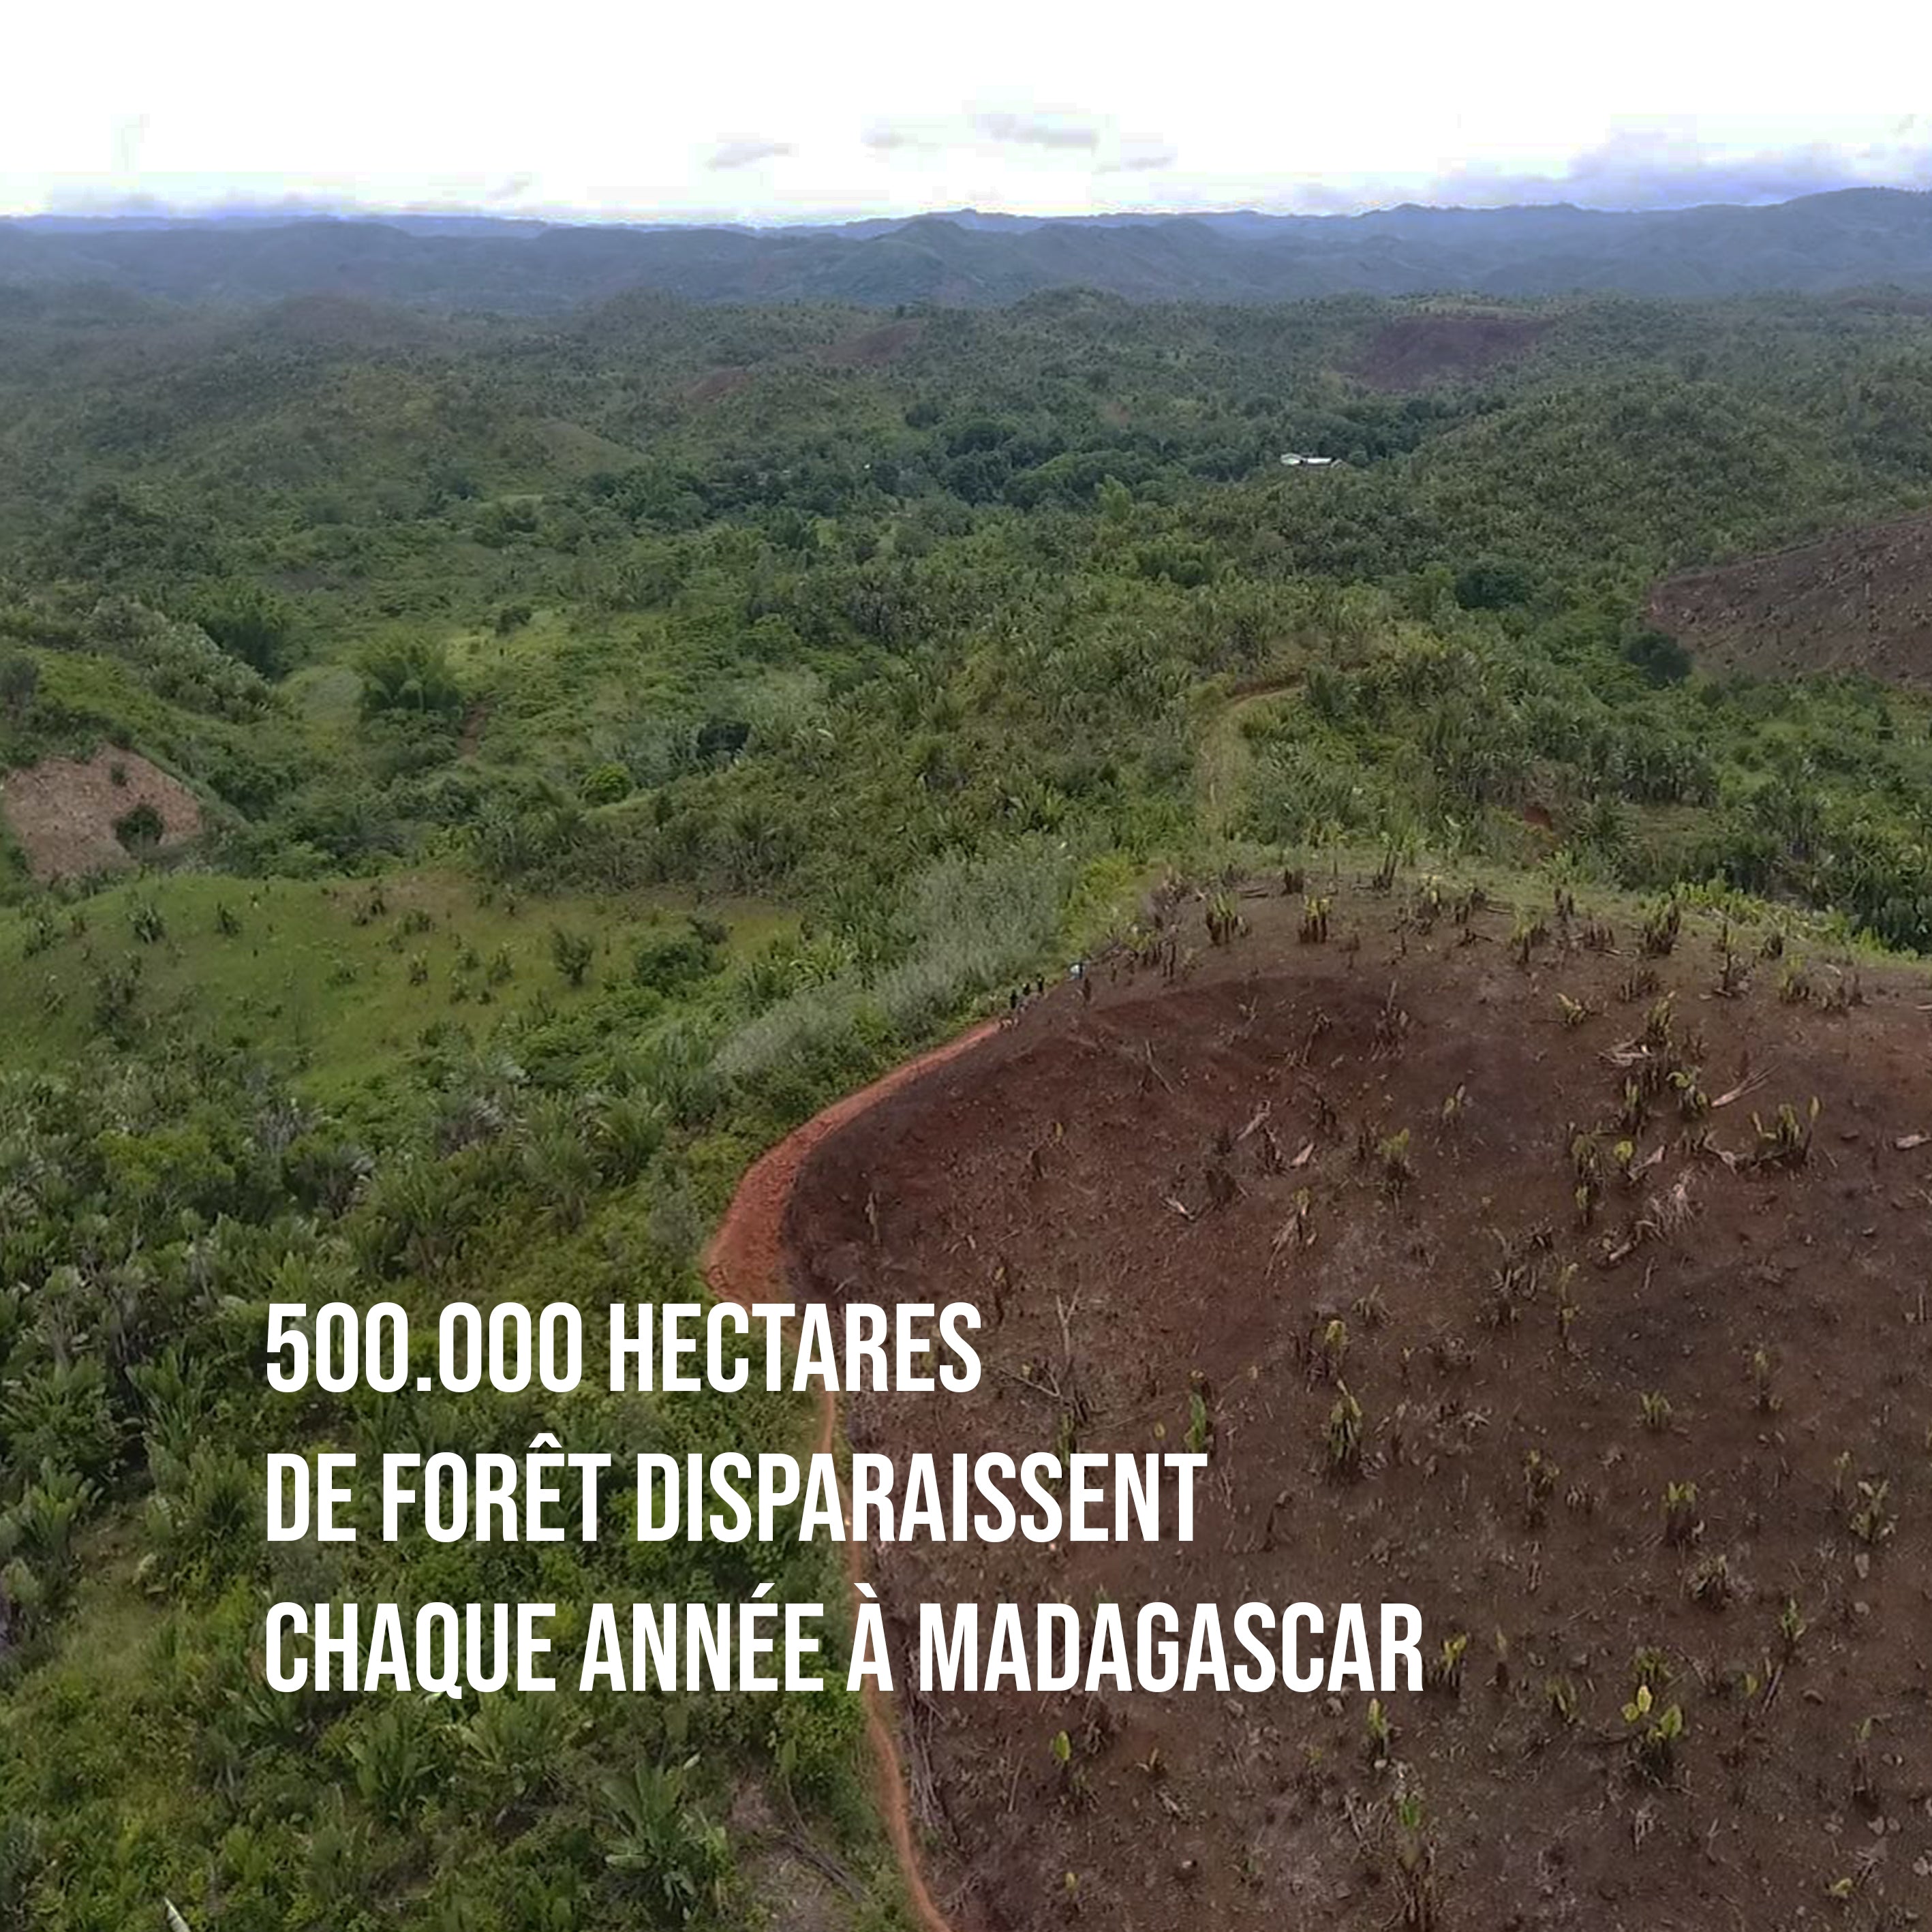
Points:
x=757 y=111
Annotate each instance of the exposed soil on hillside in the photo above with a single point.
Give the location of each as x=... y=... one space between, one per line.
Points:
x=868 y=349
x=475 y=721
x=63 y=811
x=1177 y=1188
x=1861 y=601
x=720 y=383
x=872 y=348
x=1416 y=350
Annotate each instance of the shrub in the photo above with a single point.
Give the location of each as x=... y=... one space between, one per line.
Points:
x=250 y=623
x=412 y=677
x=201 y=1521
x=60 y=1416
x=19 y=680
x=141 y=829
x=667 y=962
x=1660 y=658
x=605 y=784
x=396 y=1759
x=573 y=952
x=665 y=1845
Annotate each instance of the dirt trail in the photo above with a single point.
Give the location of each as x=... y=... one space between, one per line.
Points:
x=744 y=1262
x=1224 y=757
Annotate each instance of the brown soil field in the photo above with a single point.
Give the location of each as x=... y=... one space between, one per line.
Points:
x=62 y=811
x=871 y=348
x=1181 y=1187
x=1415 y=350
x=1858 y=602
x=868 y=349
x=720 y=383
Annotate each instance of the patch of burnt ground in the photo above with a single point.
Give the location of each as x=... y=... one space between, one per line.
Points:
x=1859 y=601
x=1640 y=1350
x=1414 y=351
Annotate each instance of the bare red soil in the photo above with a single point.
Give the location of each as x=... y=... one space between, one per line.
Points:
x=1415 y=350
x=744 y=1262
x=63 y=811
x=1177 y=1188
x=1858 y=602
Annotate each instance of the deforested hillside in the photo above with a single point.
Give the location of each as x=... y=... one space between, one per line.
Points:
x=1547 y=1266
x=1860 y=601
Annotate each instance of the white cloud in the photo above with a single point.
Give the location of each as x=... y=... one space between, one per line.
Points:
x=611 y=109
x=1058 y=131
x=743 y=150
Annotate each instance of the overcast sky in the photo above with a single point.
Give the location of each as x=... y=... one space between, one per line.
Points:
x=757 y=110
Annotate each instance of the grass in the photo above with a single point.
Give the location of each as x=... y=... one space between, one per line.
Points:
x=341 y=992
x=480 y=652
x=324 y=697
x=128 y=1776
x=1226 y=756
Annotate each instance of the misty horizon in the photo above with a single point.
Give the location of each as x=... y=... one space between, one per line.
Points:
x=143 y=210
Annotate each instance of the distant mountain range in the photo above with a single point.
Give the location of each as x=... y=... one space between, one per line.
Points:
x=1856 y=237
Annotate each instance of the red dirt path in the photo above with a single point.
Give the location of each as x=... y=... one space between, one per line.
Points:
x=744 y=1260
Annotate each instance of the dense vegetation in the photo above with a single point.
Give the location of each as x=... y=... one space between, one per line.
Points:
x=615 y=736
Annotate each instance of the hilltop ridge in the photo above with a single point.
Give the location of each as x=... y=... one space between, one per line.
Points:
x=970 y=257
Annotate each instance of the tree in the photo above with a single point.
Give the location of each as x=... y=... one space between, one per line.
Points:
x=141 y=829
x=20 y=681
x=573 y=952
x=411 y=676
x=1493 y=583
x=1660 y=658
x=250 y=623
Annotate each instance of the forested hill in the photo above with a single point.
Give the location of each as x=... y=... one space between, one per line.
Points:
x=1852 y=238
x=470 y=783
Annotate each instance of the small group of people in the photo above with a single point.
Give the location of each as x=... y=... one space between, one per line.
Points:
x=1023 y=996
